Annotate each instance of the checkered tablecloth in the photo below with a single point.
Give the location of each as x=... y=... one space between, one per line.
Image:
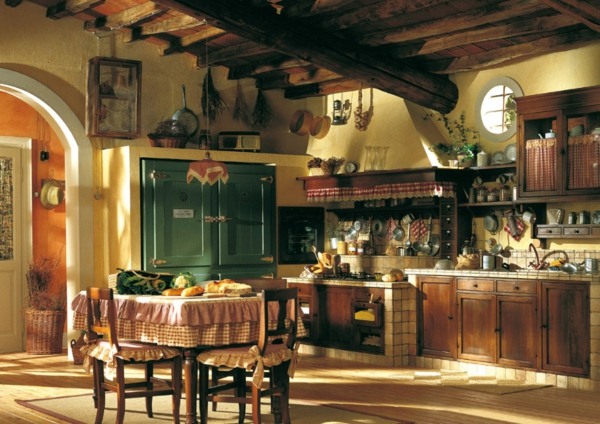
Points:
x=183 y=322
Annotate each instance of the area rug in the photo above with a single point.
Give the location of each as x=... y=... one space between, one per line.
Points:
x=80 y=410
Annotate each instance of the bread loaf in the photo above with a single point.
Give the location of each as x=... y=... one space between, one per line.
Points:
x=193 y=291
x=173 y=292
x=227 y=286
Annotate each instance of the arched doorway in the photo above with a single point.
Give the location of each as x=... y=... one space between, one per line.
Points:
x=78 y=174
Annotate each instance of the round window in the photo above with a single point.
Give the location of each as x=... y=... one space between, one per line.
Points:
x=497 y=109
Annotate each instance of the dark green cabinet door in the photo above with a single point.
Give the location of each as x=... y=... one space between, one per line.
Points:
x=174 y=232
x=247 y=206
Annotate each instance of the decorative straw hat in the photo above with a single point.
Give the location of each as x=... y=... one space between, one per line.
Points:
x=52 y=194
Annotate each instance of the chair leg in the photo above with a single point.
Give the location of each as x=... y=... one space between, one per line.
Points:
x=256 y=419
x=149 y=374
x=214 y=372
x=120 y=382
x=239 y=375
x=281 y=403
x=99 y=388
x=203 y=393
x=176 y=373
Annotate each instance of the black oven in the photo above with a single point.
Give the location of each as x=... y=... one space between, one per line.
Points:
x=300 y=228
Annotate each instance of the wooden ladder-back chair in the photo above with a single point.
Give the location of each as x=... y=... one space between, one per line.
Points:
x=275 y=350
x=108 y=357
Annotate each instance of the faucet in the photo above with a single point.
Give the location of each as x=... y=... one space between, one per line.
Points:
x=537 y=264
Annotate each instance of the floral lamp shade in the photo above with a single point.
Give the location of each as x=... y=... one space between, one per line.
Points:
x=208 y=171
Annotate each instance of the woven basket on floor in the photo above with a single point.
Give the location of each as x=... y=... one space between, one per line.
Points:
x=44 y=331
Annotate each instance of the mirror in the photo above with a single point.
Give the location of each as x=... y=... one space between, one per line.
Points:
x=496 y=109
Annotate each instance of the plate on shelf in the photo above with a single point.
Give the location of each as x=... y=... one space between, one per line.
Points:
x=498 y=158
x=511 y=152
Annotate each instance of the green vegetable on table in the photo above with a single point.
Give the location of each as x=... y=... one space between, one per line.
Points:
x=184 y=280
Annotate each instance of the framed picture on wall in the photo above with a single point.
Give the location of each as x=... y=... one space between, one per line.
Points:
x=113 y=98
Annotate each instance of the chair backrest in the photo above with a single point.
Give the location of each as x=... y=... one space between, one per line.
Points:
x=287 y=312
x=259 y=284
x=99 y=299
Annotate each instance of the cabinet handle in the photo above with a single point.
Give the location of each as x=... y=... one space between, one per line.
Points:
x=450 y=317
x=516 y=287
x=475 y=286
x=156 y=175
x=268 y=259
x=448 y=220
x=158 y=262
x=268 y=179
x=217 y=219
x=496 y=330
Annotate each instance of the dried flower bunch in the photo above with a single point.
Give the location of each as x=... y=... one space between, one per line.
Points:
x=169 y=128
x=462 y=140
x=44 y=293
x=329 y=166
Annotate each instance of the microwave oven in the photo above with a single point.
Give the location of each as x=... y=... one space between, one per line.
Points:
x=243 y=141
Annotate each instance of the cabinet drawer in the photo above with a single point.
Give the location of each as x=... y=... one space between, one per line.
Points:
x=516 y=286
x=475 y=284
x=303 y=289
x=547 y=231
x=576 y=231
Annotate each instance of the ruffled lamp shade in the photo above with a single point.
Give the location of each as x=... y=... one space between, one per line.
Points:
x=207 y=171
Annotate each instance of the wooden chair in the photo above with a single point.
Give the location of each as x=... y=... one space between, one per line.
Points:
x=275 y=350
x=109 y=356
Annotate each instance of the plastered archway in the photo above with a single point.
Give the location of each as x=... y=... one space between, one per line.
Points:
x=78 y=174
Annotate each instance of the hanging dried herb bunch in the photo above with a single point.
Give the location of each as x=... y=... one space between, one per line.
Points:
x=42 y=288
x=240 y=109
x=262 y=114
x=212 y=102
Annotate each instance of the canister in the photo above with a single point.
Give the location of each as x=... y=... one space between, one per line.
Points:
x=342 y=248
x=482 y=158
x=489 y=262
x=591 y=265
x=584 y=217
x=572 y=218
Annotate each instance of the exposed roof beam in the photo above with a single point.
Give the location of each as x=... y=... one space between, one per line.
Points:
x=324 y=50
x=70 y=8
x=304 y=77
x=322 y=89
x=224 y=54
x=547 y=45
x=531 y=26
x=179 y=46
x=485 y=15
x=127 y=17
x=168 y=25
x=253 y=70
x=579 y=10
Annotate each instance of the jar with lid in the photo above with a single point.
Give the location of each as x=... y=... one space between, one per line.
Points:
x=482 y=158
x=492 y=196
x=352 y=248
x=360 y=248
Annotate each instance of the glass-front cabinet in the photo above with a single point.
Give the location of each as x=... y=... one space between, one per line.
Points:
x=559 y=143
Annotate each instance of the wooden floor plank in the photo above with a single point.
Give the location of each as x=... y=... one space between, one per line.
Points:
x=372 y=390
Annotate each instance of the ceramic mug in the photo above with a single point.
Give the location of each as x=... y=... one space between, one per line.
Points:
x=528 y=217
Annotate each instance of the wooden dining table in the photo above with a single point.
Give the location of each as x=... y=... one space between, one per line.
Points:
x=190 y=323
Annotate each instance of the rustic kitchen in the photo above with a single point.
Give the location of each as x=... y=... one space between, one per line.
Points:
x=454 y=226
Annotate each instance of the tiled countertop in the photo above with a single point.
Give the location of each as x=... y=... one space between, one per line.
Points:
x=529 y=274
x=348 y=282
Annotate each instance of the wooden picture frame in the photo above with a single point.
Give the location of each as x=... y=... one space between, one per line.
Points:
x=113 y=98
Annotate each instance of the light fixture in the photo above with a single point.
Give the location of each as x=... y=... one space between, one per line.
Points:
x=208 y=171
x=341 y=112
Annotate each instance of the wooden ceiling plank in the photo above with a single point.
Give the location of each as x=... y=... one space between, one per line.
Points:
x=322 y=89
x=327 y=51
x=125 y=18
x=579 y=10
x=542 y=46
x=254 y=70
x=440 y=27
x=225 y=54
x=70 y=8
x=531 y=26
x=177 y=23
x=178 y=46
x=380 y=10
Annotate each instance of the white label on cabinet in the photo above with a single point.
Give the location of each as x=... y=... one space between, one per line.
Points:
x=183 y=213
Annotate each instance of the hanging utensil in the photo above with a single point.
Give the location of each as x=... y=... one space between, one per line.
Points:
x=186 y=117
x=426 y=247
x=435 y=244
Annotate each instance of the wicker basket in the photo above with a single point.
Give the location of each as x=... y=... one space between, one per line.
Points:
x=168 y=142
x=44 y=331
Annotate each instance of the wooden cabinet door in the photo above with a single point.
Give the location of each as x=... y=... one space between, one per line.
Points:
x=334 y=305
x=518 y=335
x=566 y=327
x=247 y=206
x=174 y=234
x=437 y=328
x=476 y=326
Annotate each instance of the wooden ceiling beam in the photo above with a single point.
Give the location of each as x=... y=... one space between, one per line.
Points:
x=341 y=85
x=325 y=50
x=531 y=26
x=225 y=54
x=579 y=10
x=125 y=18
x=253 y=70
x=442 y=27
x=177 y=23
x=283 y=80
x=542 y=46
x=71 y=8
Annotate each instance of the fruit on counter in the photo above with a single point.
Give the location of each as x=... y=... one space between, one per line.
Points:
x=556 y=264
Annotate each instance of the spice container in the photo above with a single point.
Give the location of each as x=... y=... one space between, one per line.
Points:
x=352 y=248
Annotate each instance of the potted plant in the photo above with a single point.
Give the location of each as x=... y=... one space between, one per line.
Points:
x=169 y=133
x=463 y=142
x=319 y=166
x=46 y=314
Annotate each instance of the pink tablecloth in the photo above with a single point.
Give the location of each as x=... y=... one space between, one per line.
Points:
x=183 y=322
